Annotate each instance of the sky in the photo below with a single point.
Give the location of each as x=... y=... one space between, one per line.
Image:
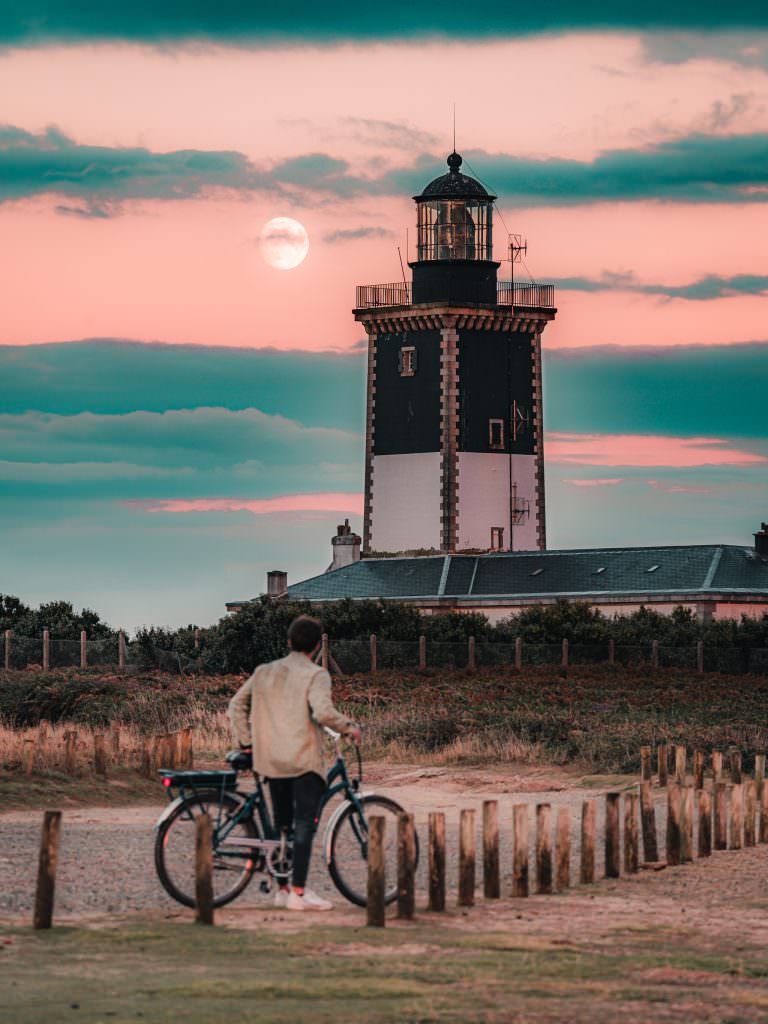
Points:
x=177 y=416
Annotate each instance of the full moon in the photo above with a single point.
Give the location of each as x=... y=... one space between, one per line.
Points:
x=284 y=243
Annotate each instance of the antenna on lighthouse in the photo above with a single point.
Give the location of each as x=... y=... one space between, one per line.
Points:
x=518 y=247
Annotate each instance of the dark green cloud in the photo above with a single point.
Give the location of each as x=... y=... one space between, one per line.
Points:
x=713 y=286
x=243 y=21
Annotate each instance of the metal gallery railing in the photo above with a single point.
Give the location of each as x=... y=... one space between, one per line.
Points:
x=508 y=293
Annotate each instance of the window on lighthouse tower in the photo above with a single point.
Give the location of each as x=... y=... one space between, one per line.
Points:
x=454 y=231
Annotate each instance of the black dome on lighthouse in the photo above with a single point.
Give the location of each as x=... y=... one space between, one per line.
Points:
x=454 y=184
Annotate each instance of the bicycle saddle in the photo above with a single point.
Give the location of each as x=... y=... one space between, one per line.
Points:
x=241 y=760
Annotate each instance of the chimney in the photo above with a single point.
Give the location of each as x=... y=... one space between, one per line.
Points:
x=761 y=541
x=277 y=583
x=346 y=546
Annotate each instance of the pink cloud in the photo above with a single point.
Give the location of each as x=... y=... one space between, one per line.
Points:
x=327 y=502
x=596 y=483
x=678 y=488
x=645 y=450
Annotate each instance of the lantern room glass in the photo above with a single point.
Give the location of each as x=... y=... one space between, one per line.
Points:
x=455 y=229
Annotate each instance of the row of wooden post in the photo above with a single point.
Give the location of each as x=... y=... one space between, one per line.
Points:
x=169 y=750
x=8 y=647
x=680 y=769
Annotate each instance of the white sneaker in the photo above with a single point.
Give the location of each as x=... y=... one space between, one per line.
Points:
x=281 y=898
x=308 y=900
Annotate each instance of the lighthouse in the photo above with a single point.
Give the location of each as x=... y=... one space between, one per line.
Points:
x=454 y=457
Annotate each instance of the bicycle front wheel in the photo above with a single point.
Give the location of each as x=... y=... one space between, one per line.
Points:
x=348 y=848
x=233 y=867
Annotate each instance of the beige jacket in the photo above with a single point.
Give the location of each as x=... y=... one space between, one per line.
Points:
x=280 y=710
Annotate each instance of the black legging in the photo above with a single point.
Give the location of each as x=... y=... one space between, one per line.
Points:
x=295 y=803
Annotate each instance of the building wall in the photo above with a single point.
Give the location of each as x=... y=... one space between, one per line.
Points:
x=405 y=504
x=407 y=408
x=484 y=499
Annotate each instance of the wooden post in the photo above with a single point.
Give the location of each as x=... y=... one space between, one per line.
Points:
x=648 y=815
x=324 y=650
x=114 y=740
x=518 y=653
x=543 y=848
x=422 y=652
x=564 y=661
x=437 y=861
x=99 y=754
x=121 y=649
x=520 y=850
x=700 y=657
x=563 y=849
x=189 y=750
x=737 y=818
x=611 y=652
x=374 y=660
x=764 y=814
x=631 y=837
x=83 y=649
x=705 y=823
x=46 y=650
x=204 y=869
x=28 y=756
x=148 y=757
x=654 y=654
x=720 y=817
x=70 y=749
x=698 y=769
x=661 y=757
x=377 y=882
x=681 y=764
x=686 y=824
x=645 y=764
x=406 y=861
x=759 y=773
x=197 y=638
x=588 y=816
x=466 y=858
x=471 y=659
x=673 y=824
x=750 y=812
x=178 y=751
x=735 y=759
x=612 y=848
x=46 y=870
x=717 y=766
x=7 y=651
x=491 y=875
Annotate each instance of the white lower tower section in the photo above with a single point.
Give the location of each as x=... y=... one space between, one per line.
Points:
x=405 y=505
x=487 y=483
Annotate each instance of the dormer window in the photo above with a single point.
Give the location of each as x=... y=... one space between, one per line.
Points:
x=496 y=434
x=407 y=361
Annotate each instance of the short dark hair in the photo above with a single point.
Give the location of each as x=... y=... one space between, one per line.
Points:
x=305 y=634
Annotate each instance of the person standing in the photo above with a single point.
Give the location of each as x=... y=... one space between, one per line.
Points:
x=277 y=715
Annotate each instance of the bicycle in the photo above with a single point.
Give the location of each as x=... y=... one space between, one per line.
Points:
x=246 y=842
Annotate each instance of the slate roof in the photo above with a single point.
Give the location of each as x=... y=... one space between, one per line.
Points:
x=707 y=569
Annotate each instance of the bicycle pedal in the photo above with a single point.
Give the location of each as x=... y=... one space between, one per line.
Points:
x=265 y=887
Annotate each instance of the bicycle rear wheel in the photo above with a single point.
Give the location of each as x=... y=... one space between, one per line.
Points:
x=348 y=848
x=175 y=849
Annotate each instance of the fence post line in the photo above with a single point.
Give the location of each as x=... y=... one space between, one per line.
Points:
x=121 y=649
x=377 y=883
x=491 y=876
x=705 y=824
x=46 y=870
x=324 y=651
x=83 y=649
x=46 y=650
x=612 y=848
x=563 y=849
x=374 y=661
x=686 y=824
x=673 y=824
x=681 y=764
x=737 y=818
x=422 y=652
x=717 y=766
x=466 y=858
x=564 y=660
x=471 y=659
x=204 y=870
x=518 y=653
x=721 y=817
x=662 y=763
x=611 y=652
x=735 y=759
x=436 y=861
x=654 y=653
x=763 y=835
x=587 y=866
x=7 y=652
x=759 y=773
x=520 y=850
x=631 y=837
x=406 y=857
x=700 y=657
x=750 y=808
x=648 y=816
x=645 y=764
x=543 y=848
x=698 y=769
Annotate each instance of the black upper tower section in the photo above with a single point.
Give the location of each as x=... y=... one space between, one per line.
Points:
x=455 y=241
